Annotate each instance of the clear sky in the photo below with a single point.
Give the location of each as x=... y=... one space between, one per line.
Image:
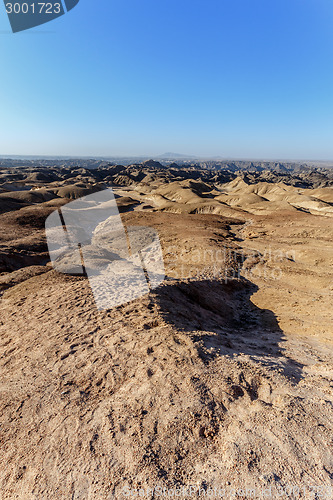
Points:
x=234 y=78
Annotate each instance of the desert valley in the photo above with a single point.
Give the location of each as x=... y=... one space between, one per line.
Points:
x=219 y=380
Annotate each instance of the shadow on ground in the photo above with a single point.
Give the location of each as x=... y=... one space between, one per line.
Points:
x=222 y=320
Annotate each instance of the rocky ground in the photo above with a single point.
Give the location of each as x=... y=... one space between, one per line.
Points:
x=218 y=382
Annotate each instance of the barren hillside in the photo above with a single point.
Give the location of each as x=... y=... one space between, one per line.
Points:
x=219 y=378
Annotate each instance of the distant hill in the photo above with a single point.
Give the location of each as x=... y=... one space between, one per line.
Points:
x=172 y=156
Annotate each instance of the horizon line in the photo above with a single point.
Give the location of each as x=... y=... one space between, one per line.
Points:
x=179 y=157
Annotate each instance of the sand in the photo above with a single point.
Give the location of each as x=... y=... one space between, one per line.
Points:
x=220 y=378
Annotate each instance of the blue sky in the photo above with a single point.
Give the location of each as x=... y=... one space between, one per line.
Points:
x=234 y=78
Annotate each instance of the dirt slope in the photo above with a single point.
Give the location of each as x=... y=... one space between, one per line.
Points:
x=205 y=381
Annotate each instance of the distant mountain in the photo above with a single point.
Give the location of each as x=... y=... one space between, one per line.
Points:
x=174 y=155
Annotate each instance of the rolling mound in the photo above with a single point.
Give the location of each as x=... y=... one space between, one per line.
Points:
x=323 y=194
x=195 y=196
x=27 y=196
x=75 y=191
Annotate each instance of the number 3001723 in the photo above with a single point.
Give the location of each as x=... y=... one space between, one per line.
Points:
x=33 y=8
